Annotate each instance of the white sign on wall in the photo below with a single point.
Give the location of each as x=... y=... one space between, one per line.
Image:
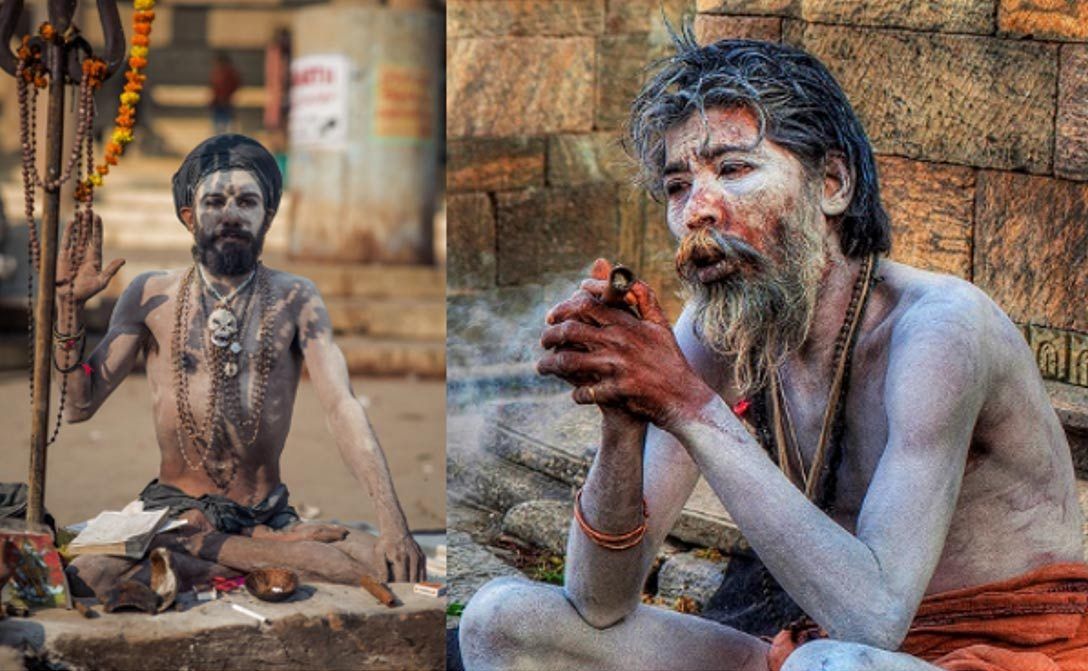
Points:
x=319 y=101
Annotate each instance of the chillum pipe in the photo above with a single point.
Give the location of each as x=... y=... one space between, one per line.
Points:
x=47 y=276
x=620 y=281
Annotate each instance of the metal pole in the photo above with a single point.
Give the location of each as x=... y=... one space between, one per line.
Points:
x=47 y=272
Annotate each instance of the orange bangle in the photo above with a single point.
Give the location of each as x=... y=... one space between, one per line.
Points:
x=622 y=541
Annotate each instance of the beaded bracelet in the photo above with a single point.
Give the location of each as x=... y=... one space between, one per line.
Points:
x=622 y=541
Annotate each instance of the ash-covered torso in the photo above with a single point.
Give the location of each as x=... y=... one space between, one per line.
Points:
x=1017 y=507
x=235 y=452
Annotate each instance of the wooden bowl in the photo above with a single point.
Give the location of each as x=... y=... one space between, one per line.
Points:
x=272 y=584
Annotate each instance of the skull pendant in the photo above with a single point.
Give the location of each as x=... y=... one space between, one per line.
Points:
x=223 y=325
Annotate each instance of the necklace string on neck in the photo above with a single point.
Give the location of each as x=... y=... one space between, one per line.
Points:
x=229 y=297
x=811 y=481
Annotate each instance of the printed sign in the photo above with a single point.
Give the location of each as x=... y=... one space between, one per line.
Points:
x=403 y=103
x=319 y=101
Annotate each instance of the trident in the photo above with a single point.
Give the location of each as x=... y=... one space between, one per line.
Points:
x=62 y=56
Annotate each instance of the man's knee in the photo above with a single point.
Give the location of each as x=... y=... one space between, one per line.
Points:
x=829 y=655
x=494 y=623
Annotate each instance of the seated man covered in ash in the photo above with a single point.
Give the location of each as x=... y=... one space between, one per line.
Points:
x=225 y=340
x=911 y=488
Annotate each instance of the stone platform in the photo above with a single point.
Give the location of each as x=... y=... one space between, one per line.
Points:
x=323 y=626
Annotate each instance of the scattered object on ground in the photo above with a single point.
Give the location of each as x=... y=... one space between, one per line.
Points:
x=209 y=595
x=245 y=611
x=455 y=608
x=272 y=584
x=379 y=591
x=131 y=595
x=226 y=585
x=164 y=581
x=84 y=610
x=35 y=568
x=434 y=589
x=126 y=532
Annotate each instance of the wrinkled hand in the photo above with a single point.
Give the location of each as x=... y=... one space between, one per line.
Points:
x=616 y=360
x=404 y=558
x=89 y=278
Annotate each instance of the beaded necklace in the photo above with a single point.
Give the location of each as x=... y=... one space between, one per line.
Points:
x=211 y=441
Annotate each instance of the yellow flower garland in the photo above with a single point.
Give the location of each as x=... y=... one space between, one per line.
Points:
x=126 y=111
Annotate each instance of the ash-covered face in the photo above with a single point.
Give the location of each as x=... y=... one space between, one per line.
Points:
x=752 y=239
x=228 y=222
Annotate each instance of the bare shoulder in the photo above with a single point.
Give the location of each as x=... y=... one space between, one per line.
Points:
x=146 y=292
x=935 y=310
x=291 y=286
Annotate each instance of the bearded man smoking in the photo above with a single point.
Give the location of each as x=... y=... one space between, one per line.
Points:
x=880 y=434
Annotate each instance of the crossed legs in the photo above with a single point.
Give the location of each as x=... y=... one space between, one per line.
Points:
x=202 y=556
x=516 y=624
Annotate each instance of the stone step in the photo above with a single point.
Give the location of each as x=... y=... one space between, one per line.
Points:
x=391 y=356
x=364 y=355
x=331 y=626
x=482 y=478
x=333 y=280
x=553 y=436
x=411 y=319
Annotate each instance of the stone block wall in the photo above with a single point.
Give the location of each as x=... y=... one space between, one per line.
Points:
x=977 y=109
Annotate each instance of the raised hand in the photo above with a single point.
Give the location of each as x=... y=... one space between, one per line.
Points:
x=83 y=246
x=616 y=360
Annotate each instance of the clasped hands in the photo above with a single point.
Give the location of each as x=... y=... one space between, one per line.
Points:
x=616 y=360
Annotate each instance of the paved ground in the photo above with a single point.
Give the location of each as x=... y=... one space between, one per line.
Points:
x=103 y=463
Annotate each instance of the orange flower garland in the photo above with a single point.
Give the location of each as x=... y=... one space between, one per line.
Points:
x=134 y=84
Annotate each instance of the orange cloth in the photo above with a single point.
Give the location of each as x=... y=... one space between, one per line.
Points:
x=1034 y=622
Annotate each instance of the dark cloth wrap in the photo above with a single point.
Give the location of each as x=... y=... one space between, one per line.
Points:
x=229 y=151
x=224 y=514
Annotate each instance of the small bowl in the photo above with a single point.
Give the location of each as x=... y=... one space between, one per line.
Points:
x=272 y=584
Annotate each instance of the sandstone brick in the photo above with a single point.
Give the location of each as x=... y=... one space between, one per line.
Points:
x=493 y=18
x=946 y=98
x=932 y=209
x=790 y=8
x=545 y=231
x=1071 y=145
x=1031 y=247
x=632 y=200
x=710 y=28
x=643 y=16
x=590 y=157
x=501 y=87
x=961 y=16
x=658 y=266
x=1051 y=350
x=470 y=231
x=1078 y=360
x=1044 y=19
x=621 y=71
x=495 y=164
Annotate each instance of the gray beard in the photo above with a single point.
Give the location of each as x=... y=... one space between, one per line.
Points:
x=759 y=319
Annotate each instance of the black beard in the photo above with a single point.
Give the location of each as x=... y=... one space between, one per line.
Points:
x=233 y=258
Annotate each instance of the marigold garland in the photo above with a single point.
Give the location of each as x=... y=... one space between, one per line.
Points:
x=134 y=84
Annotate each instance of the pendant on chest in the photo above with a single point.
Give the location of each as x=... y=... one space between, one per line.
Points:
x=223 y=326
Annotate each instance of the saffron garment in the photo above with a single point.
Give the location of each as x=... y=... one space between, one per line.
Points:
x=224 y=514
x=1034 y=622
